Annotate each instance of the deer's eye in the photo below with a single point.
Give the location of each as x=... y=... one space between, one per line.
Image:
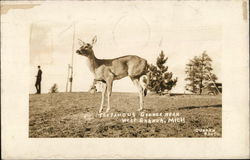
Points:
x=83 y=47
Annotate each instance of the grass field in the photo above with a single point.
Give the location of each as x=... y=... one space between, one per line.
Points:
x=75 y=115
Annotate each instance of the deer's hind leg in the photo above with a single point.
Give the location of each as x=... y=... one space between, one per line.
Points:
x=140 y=89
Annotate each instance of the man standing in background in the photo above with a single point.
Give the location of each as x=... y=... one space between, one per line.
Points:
x=38 y=81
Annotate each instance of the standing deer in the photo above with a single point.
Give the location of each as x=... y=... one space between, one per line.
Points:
x=108 y=70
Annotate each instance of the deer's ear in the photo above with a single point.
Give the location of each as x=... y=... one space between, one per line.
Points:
x=94 y=40
x=81 y=43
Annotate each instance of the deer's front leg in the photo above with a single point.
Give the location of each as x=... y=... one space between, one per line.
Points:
x=104 y=88
x=93 y=87
x=109 y=91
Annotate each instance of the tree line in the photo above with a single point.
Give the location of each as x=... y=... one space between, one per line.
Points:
x=198 y=71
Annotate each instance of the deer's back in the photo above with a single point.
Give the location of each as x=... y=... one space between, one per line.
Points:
x=120 y=67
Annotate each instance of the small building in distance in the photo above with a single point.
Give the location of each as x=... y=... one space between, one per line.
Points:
x=212 y=89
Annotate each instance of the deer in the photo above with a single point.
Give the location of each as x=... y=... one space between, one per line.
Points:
x=108 y=70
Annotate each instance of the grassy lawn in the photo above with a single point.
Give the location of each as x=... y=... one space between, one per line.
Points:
x=75 y=115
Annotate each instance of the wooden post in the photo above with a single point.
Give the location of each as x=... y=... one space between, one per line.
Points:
x=72 y=60
x=67 y=78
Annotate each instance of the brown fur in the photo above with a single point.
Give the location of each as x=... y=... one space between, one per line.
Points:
x=108 y=70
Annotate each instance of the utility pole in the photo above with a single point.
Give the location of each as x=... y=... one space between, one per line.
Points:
x=67 y=78
x=72 y=60
x=69 y=82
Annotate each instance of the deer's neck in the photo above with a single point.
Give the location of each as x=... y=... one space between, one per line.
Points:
x=92 y=62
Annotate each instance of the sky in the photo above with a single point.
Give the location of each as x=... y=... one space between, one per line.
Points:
x=181 y=30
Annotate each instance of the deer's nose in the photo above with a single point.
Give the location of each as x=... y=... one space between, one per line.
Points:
x=77 y=51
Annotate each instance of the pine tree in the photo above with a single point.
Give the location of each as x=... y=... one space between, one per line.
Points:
x=199 y=74
x=159 y=79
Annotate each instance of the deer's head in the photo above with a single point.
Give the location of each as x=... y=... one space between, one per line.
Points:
x=86 y=48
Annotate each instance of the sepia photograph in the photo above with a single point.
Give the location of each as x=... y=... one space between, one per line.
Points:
x=164 y=73
x=128 y=75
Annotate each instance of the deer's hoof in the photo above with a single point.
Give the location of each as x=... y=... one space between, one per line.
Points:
x=139 y=110
x=107 y=110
